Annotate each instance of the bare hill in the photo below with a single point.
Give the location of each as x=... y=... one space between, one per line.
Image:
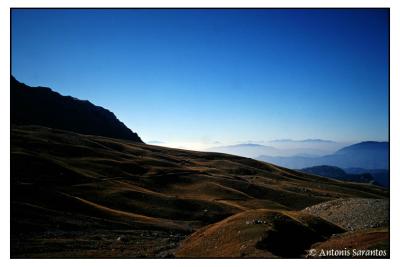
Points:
x=259 y=233
x=75 y=195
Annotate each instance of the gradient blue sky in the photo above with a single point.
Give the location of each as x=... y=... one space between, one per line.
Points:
x=194 y=77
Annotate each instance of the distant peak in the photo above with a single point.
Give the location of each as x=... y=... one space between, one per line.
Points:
x=365 y=145
x=248 y=144
x=317 y=140
x=372 y=142
x=302 y=141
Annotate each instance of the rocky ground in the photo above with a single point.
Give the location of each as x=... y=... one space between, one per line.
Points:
x=354 y=213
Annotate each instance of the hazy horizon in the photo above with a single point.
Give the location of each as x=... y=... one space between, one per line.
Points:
x=207 y=144
x=203 y=78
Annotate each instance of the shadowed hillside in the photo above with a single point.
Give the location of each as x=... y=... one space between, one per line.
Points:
x=259 y=233
x=338 y=173
x=75 y=195
x=42 y=106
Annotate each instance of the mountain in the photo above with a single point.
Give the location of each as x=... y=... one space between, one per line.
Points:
x=368 y=147
x=42 y=106
x=251 y=150
x=367 y=155
x=315 y=147
x=326 y=171
x=87 y=196
x=303 y=141
x=293 y=162
x=338 y=173
x=317 y=141
x=82 y=185
x=381 y=176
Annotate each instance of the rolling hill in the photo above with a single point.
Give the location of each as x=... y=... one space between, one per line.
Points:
x=75 y=195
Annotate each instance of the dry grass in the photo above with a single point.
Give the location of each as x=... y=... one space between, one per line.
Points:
x=367 y=239
x=71 y=183
x=258 y=233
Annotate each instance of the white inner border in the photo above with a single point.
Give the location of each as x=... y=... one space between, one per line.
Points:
x=5 y=126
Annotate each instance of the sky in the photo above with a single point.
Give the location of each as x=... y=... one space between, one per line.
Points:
x=200 y=78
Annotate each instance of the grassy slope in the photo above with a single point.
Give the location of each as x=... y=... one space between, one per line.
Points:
x=259 y=233
x=64 y=183
x=367 y=239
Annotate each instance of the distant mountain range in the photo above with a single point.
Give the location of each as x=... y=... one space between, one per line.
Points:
x=381 y=176
x=283 y=147
x=366 y=155
x=42 y=106
x=366 y=176
x=302 y=141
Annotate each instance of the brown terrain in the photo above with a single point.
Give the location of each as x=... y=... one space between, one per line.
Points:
x=86 y=196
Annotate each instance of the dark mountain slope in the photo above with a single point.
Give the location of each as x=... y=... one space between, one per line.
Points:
x=42 y=106
x=381 y=176
x=325 y=170
x=338 y=173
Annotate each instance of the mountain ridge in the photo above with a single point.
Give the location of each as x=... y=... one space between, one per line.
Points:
x=338 y=173
x=365 y=145
x=366 y=155
x=45 y=107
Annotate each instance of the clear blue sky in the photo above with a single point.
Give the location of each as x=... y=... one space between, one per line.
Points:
x=201 y=76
